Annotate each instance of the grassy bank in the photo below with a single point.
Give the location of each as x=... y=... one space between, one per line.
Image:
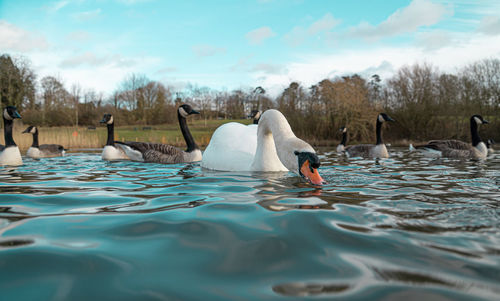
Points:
x=82 y=137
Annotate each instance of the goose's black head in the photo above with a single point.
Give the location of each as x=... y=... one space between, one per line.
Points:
x=382 y=117
x=31 y=130
x=343 y=129
x=107 y=119
x=490 y=143
x=308 y=167
x=185 y=110
x=478 y=119
x=10 y=113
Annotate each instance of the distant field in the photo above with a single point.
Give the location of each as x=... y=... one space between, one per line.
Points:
x=71 y=137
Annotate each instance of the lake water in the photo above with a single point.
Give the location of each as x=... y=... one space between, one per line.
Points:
x=79 y=228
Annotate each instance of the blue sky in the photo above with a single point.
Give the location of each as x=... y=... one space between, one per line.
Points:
x=241 y=44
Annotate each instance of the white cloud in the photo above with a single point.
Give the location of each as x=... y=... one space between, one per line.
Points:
x=490 y=25
x=167 y=70
x=406 y=20
x=383 y=61
x=93 y=60
x=269 y=68
x=14 y=38
x=207 y=50
x=87 y=15
x=434 y=39
x=299 y=34
x=56 y=6
x=259 y=35
x=79 y=36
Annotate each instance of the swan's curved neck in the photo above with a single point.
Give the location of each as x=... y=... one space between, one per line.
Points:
x=476 y=139
x=7 y=132
x=191 y=145
x=111 y=134
x=35 y=139
x=379 y=132
x=276 y=144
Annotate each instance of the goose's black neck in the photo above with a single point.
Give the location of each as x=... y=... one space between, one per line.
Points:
x=344 y=138
x=474 y=132
x=111 y=134
x=379 y=132
x=35 y=139
x=191 y=145
x=256 y=121
x=7 y=132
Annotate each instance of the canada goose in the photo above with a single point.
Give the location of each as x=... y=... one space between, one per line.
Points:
x=42 y=151
x=271 y=146
x=9 y=154
x=164 y=153
x=455 y=148
x=489 y=146
x=110 y=152
x=255 y=114
x=341 y=146
x=369 y=150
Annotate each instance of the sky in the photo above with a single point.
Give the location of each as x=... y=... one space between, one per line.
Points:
x=227 y=45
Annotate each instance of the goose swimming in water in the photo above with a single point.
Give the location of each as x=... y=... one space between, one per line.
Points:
x=255 y=114
x=341 y=146
x=164 y=153
x=489 y=146
x=10 y=154
x=271 y=146
x=37 y=151
x=110 y=152
x=455 y=148
x=379 y=150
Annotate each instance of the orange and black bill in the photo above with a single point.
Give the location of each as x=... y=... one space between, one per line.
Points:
x=308 y=167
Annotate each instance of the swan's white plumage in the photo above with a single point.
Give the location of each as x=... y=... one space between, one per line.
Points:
x=269 y=146
x=231 y=148
x=11 y=156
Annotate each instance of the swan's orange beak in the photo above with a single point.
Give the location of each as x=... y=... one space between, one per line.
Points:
x=311 y=174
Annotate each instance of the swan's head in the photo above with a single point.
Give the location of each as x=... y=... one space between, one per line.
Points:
x=10 y=113
x=343 y=129
x=185 y=110
x=308 y=164
x=30 y=130
x=383 y=117
x=479 y=119
x=107 y=119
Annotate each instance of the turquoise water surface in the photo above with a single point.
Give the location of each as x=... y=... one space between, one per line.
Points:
x=79 y=228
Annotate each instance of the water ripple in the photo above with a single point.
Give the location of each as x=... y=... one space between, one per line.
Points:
x=77 y=227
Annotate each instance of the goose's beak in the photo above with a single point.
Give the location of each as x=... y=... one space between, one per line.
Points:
x=26 y=131
x=485 y=121
x=194 y=112
x=103 y=121
x=16 y=115
x=311 y=174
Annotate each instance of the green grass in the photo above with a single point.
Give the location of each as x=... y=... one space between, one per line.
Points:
x=74 y=138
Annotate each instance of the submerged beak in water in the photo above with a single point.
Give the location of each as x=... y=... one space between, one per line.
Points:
x=311 y=174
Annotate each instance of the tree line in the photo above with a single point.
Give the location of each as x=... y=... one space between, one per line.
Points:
x=426 y=102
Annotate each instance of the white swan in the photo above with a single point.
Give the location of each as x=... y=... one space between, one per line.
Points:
x=271 y=146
